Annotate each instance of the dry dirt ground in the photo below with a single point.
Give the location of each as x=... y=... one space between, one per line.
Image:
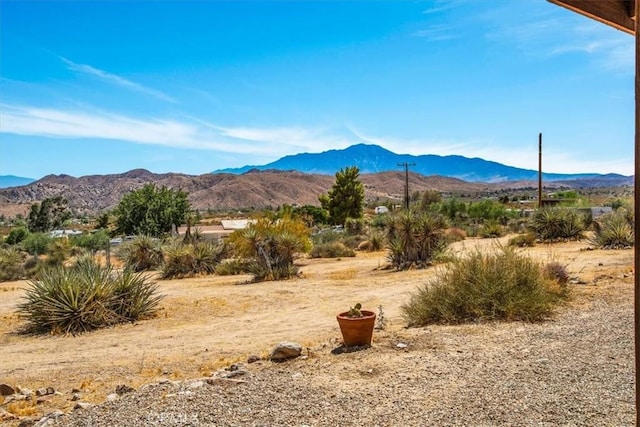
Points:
x=207 y=323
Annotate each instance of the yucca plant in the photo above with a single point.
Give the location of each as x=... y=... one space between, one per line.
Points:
x=71 y=300
x=613 y=230
x=271 y=245
x=142 y=253
x=415 y=239
x=11 y=264
x=551 y=224
x=185 y=260
x=491 y=229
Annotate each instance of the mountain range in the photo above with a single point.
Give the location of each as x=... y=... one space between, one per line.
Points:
x=266 y=186
x=373 y=158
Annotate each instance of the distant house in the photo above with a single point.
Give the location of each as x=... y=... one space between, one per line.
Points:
x=235 y=224
x=63 y=233
x=381 y=209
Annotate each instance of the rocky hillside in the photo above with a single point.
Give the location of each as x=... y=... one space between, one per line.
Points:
x=255 y=189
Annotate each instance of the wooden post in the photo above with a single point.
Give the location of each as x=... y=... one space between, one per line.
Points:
x=636 y=205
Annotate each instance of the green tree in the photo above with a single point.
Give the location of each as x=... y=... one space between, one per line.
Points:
x=17 y=235
x=151 y=211
x=346 y=197
x=48 y=215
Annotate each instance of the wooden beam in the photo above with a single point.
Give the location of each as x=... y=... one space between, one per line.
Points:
x=636 y=205
x=619 y=14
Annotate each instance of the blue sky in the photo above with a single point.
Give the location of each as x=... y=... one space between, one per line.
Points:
x=90 y=87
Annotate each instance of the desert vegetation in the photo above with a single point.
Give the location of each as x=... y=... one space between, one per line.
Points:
x=86 y=296
x=484 y=286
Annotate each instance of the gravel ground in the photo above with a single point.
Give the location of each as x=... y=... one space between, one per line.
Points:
x=575 y=370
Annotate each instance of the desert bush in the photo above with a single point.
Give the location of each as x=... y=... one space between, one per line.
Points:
x=58 y=251
x=556 y=272
x=377 y=241
x=415 y=239
x=142 y=253
x=331 y=250
x=17 y=235
x=232 y=266
x=353 y=241
x=71 y=300
x=36 y=243
x=491 y=229
x=455 y=234
x=326 y=235
x=354 y=226
x=552 y=224
x=485 y=286
x=271 y=246
x=11 y=264
x=613 y=230
x=186 y=260
x=526 y=240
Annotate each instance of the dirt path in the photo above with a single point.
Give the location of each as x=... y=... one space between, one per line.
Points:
x=209 y=322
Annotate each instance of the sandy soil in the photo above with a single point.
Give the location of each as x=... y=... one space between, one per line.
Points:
x=210 y=322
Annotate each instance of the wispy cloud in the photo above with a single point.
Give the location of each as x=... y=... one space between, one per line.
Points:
x=437 y=32
x=439 y=6
x=549 y=31
x=115 y=79
x=190 y=134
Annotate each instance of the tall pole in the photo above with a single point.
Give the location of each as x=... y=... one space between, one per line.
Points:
x=406 y=182
x=540 y=170
x=636 y=205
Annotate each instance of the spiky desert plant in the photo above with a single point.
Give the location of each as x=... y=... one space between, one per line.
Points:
x=486 y=286
x=271 y=245
x=186 y=260
x=491 y=229
x=613 y=230
x=552 y=224
x=11 y=264
x=415 y=239
x=142 y=253
x=71 y=300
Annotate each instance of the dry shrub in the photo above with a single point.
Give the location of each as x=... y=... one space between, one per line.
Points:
x=331 y=250
x=527 y=240
x=455 y=234
x=485 y=286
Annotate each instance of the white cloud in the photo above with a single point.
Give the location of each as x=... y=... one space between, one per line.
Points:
x=437 y=33
x=193 y=134
x=120 y=81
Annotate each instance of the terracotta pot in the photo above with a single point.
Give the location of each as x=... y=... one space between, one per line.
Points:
x=357 y=331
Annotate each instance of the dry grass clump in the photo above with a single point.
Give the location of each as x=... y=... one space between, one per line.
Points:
x=333 y=249
x=613 y=230
x=486 y=286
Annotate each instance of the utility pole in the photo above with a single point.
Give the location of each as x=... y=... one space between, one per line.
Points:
x=539 y=170
x=406 y=182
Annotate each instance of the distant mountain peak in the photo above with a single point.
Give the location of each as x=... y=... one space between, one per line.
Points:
x=371 y=158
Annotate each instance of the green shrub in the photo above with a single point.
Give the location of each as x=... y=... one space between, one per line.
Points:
x=11 y=264
x=36 y=243
x=527 y=240
x=17 y=235
x=485 y=286
x=58 y=251
x=331 y=250
x=552 y=224
x=71 y=300
x=142 y=253
x=354 y=226
x=415 y=239
x=326 y=235
x=613 y=230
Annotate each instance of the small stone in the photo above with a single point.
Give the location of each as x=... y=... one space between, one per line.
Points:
x=111 y=397
x=82 y=405
x=75 y=390
x=41 y=392
x=123 y=389
x=402 y=345
x=284 y=351
x=196 y=384
x=75 y=397
x=253 y=359
x=6 y=416
x=6 y=390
